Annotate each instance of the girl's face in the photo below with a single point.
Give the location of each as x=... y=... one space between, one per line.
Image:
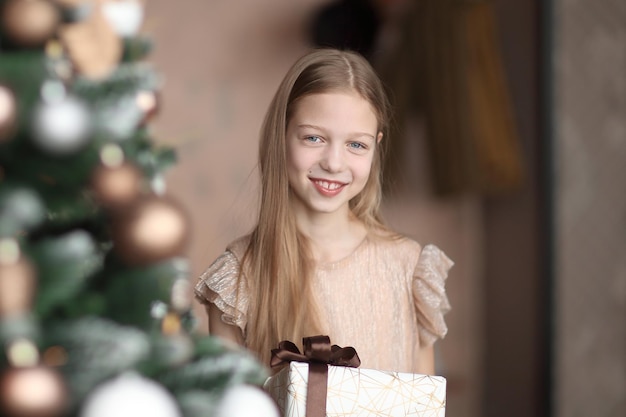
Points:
x=331 y=141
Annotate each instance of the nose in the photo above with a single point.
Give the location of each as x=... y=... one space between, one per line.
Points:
x=333 y=158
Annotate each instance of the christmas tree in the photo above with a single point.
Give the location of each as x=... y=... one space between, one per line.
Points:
x=95 y=304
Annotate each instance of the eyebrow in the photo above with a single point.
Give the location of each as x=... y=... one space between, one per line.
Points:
x=353 y=134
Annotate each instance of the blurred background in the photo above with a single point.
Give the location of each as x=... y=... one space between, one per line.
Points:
x=509 y=153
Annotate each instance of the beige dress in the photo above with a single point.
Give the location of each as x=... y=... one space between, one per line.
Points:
x=386 y=299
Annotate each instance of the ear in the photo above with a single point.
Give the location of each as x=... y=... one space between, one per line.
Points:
x=379 y=137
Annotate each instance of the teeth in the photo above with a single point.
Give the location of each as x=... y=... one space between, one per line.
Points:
x=328 y=185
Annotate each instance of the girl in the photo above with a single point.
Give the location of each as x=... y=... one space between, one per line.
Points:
x=320 y=260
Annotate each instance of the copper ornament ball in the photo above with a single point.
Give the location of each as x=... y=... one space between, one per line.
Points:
x=32 y=392
x=8 y=113
x=17 y=287
x=30 y=23
x=153 y=229
x=116 y=186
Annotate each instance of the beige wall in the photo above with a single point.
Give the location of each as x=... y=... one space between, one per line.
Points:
x=589 y=73
x=222 y=61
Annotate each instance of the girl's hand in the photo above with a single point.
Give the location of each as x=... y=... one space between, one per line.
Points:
x=426 y=360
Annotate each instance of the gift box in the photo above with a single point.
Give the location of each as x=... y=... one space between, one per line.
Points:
x=360 y=392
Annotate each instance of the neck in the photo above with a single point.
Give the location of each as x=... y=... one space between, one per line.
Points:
x=331 y=236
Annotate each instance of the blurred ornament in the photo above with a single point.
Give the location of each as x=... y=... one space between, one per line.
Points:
x=92 y=45
x=130 y=395
x=116 y=183
x=158 y=185
x=22 y=352
x=171 y=325
x=17 y=280
x=35 y=391
x=148 y=104
x=57 y=61
x=30 y=23
x=54 y=49
x=246 y=401
x=181 y=295
x=124 y=16
x=20 y=209
x=158 y=310
x=152 y=229
x=62 y=123
x=8 y=113
x=54 y=356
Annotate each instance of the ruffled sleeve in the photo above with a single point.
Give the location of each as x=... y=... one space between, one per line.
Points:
x=219 y=285
x=429 y=294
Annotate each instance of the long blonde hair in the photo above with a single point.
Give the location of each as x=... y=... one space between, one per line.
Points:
x=277 y=262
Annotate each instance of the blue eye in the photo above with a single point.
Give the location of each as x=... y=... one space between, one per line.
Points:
x=356 y=145
x=313 y=139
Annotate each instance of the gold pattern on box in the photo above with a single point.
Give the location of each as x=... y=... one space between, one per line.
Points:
x=361 y=392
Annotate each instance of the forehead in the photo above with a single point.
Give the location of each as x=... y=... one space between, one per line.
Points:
x=340 y=108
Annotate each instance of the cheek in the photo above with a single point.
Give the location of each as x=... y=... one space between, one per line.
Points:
x=300 y=159
x=297 y=164
x=363 y=169
x=293 y=159
x=290 y=153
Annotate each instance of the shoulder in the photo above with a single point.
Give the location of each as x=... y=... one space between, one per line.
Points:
x=222 y=284
x=431 y=257
x=224 y=268
x=406 y=250
x=431 y=300
x=396 y=245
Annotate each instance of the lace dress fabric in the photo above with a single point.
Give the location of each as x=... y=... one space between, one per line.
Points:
x=386 y=299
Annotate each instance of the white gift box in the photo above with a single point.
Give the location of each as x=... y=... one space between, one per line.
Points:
x=361 y=392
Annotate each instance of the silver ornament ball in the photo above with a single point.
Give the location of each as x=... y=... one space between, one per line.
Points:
x=130 y=395
x=246 y=401
x=62 y=127
x=125 y=16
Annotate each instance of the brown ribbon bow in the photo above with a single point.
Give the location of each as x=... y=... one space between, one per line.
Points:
x=318 y=353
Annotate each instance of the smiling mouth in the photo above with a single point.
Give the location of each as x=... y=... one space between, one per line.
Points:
x=328 y=188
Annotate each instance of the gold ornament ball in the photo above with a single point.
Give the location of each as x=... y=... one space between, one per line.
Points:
x=151 y=230
x=30 y=23
x=32 y=392
x=17 y=287
x=116 y=186
x=8 y=113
